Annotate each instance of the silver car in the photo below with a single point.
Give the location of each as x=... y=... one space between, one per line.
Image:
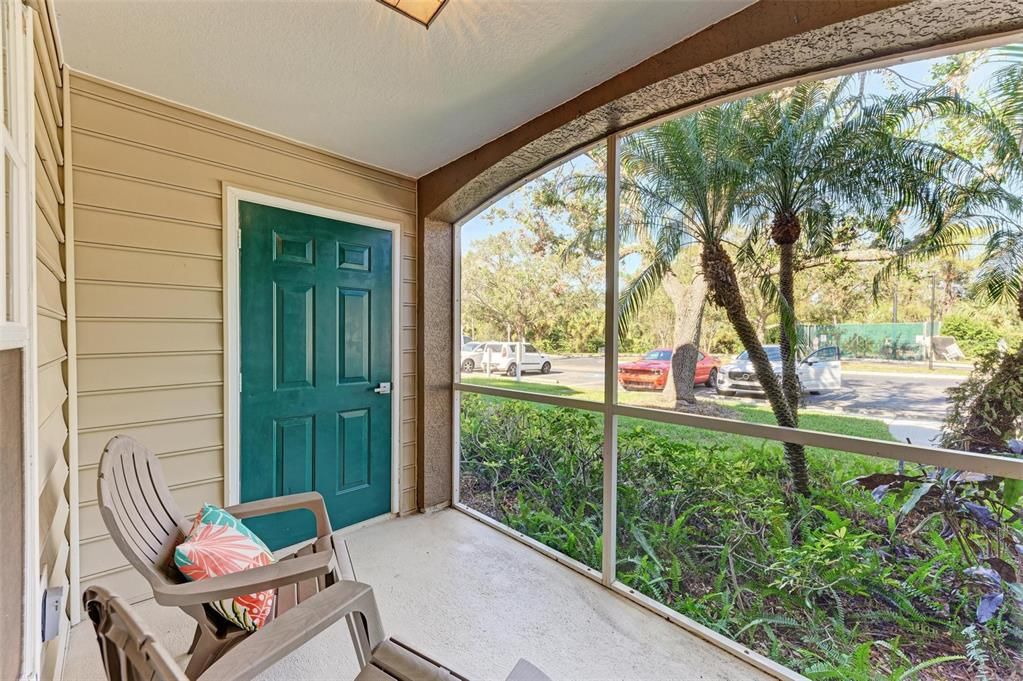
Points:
x=819 y=371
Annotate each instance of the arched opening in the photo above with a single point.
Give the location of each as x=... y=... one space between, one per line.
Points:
x=446 y=377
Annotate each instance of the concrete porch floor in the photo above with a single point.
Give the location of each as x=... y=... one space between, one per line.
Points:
x=477 y=601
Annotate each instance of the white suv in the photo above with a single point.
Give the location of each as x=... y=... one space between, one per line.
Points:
x=821 y=371
x=503 y=358
x=472 y=356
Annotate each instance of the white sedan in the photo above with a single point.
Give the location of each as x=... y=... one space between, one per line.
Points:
x=819 y=371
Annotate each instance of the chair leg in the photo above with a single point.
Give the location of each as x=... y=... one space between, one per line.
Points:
x=207 y=650
x=366 y=628
x=360 y=640
x=195 y=639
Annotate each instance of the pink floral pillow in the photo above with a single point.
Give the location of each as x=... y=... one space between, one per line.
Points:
x=219 y=544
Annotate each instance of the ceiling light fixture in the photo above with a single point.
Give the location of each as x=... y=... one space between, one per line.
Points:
x=420 y=11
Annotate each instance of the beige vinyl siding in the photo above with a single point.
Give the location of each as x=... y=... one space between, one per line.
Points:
x=53 y=475
x=149 y=178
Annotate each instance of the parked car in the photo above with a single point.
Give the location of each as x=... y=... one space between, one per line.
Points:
x=503 y=358
x=819 y=371
x=651 y=372
x=472 y=355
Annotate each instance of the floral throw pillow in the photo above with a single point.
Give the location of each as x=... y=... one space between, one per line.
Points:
x=219 y=544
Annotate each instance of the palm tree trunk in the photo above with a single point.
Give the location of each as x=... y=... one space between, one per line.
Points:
x=787 y=340
x=689 y=302
x=785 y=232
x=724 y=290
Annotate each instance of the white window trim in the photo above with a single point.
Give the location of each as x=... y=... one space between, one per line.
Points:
x=233 y=194
x=19 y=331
x=14 y=333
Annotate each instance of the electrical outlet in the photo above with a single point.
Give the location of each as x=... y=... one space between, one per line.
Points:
x=53 y=600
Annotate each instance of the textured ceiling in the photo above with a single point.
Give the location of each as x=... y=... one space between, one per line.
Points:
x=356 y=78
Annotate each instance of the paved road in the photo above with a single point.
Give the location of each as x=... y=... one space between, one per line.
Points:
x=906 y=396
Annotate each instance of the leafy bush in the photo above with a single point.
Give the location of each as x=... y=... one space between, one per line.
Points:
x=844 y=585
x=974 y=336
x=986 y=410
x=539 y=471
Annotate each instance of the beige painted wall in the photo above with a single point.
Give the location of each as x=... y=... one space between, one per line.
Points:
x=51 y=323
x=148 y=181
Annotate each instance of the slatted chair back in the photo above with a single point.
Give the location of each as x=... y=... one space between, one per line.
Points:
x=129 y=650
x=138 y=509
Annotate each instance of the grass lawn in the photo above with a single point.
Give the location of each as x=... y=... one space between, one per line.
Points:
x=845 y=464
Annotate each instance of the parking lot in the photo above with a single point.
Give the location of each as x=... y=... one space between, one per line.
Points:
x=906 y=396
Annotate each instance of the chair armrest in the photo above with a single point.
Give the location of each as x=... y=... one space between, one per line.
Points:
x=288 y=632
x=311 y=501
x=242 y=583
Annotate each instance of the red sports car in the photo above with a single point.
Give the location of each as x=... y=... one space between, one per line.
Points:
x=651 y=372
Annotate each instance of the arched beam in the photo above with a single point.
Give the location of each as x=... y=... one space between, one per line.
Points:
x=768 y=42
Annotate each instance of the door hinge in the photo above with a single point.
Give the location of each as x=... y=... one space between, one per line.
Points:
x=239 y=238
x=239 y=381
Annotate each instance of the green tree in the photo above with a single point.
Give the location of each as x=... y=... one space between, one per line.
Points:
x=1001 y=129
x=685 y=183
x=821 y=152
x=990 y=418
x=514 y=288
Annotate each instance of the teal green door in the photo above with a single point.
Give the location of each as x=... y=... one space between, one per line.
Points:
x=316 y=364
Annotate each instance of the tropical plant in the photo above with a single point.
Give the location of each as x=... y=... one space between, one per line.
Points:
x=1000 y=128
x=848 y=586
x=830 y=163
x=987 y=405
x=685 y=183
x=986 y=410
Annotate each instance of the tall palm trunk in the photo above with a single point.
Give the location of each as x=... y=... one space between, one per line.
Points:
x=724 y=290
x=785 y=232
x=689 y=302
x=787 y=340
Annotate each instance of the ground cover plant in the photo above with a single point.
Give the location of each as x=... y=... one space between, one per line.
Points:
x=873 y=576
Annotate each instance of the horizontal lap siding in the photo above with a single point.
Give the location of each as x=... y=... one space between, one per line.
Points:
x=53 y=479
x=148 y=182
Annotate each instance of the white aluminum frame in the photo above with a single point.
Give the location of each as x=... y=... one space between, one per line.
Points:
x=18 y=321
x=611 y=409
x=610 y=458
x=233 y=194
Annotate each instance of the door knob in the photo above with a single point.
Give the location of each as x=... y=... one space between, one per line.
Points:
x=383 y=389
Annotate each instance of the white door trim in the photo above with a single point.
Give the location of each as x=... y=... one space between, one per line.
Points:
x=232 y=195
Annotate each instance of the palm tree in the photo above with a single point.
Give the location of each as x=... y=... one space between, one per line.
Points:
x=684 y=186
x=1001 y=132
x=821 y=152
x=998 y=125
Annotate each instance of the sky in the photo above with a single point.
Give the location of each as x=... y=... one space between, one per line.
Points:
x=918 y=72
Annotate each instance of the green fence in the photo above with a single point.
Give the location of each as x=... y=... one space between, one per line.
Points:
x=902 y=341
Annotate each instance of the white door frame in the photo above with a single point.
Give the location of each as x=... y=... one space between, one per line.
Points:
x=233 y=194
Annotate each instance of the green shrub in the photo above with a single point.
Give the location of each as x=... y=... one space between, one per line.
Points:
x=839 y=586
x=986 y=410
x=974 y=336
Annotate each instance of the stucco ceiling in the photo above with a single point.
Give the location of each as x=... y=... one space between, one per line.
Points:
x=358 y=79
